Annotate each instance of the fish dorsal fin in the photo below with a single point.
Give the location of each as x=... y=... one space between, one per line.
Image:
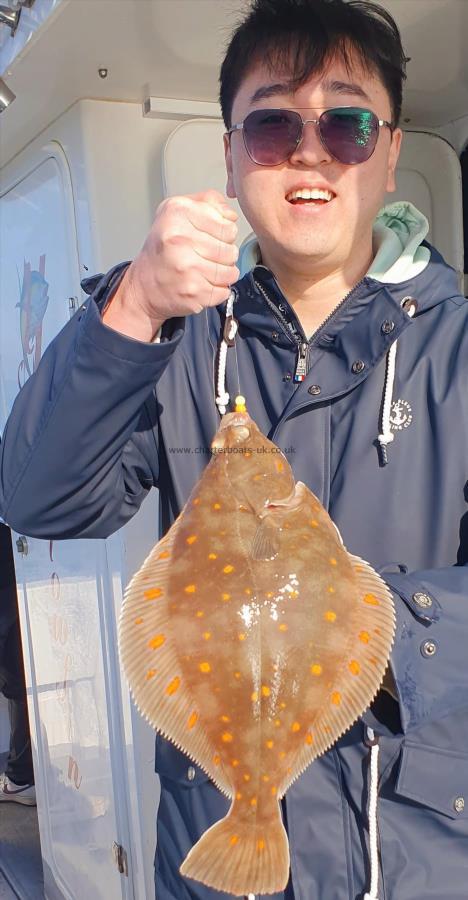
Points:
x=361 y=675
x=151 y=663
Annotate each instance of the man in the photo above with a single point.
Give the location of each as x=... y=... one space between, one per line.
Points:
x=17 y=783
x=328 y=291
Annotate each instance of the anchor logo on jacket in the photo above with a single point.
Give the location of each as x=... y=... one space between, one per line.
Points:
x=401 y=415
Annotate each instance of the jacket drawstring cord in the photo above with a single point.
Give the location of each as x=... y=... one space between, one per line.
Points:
x=373 y=742
x=229 y=335
x=386 y=435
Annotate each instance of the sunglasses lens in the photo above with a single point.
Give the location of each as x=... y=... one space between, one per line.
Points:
x=349 y=134
x=272 y=135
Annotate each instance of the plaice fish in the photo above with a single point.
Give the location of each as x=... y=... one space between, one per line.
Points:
x=252 y=640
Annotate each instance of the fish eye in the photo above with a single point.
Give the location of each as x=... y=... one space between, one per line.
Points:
x=241 y=432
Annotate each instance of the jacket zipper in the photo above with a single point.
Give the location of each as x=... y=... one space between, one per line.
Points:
x=303 y=345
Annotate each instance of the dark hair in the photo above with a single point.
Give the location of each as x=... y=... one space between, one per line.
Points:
x=300 y=37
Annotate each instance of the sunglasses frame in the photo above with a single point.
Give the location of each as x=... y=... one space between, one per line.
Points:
x=240 y=127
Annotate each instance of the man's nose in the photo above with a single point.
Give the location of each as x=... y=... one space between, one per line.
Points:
x=310 y=150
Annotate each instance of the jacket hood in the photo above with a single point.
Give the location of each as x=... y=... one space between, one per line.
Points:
x=402 y=257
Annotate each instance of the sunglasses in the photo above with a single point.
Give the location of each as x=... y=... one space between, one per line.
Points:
x=349 y=134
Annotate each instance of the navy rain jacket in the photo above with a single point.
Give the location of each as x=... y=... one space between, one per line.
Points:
x=105 y=418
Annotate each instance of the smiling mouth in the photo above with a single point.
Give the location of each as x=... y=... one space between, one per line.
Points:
x=306 y=195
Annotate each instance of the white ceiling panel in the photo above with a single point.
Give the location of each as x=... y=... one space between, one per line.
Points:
x=173 y=48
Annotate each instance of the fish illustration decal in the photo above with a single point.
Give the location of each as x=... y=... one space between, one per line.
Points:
x=32 y=305
x=252 y=640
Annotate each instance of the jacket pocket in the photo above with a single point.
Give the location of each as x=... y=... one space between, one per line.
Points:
x=436 y=778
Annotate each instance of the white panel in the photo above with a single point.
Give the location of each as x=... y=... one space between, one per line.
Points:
x=36 y=275
x=66 y=630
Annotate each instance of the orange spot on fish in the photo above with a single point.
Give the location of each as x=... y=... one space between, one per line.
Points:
x=377 y=631
x=225 y=719
x=253 y=801
x=153 y=594
x=226 y=737
x=199 y=613
x=330 y=616
x=308 y=738
x=373 y=660
x=333 y=561
x=265 y=777
x=283 y=627
x=248 y=591
x=336 y=698
x=241 y=636
x=254 y=696
x=279 y=465
x=192 y=720
x=371 y=600
x=269 y=744
x=364 y=636
x=293 y=595
x=190 y=588
x=205 y=667
x=354 y=667
x=331 y=589
x=173 y=685
x=237 y=674
x=246 y=776
x=156 y=642
x=216 y=505
x=138 y=621
x=225 y=597
x=316 y=669
x=283 y=705
x=265 y=690
x=282 y=754
x=358 y=568
x=313 y=523
x=228 y=569
x=216 y=759
x=233 y=839
x=295 y=726
x=277 y=723
x=270 y=594
x=150 y=674
x=260 y=844
x=196 y=501
x=212 y=556
x=207 y=635
x=238 y=795
x=191 y=539
x=235 y=762
x=274 y=790
x=164 y=555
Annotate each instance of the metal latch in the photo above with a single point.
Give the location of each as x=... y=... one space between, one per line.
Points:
x=120 y=857
x=22 y=545
x=73 y=304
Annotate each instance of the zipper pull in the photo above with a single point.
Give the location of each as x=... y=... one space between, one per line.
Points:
x=301 y=365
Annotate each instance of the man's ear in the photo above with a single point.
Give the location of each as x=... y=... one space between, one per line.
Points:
x=230 y=190
x=394 y=153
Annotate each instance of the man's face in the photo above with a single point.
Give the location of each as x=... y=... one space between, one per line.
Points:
x=312 y=236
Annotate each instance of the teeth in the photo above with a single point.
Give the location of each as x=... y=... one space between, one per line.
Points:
x=306 y=194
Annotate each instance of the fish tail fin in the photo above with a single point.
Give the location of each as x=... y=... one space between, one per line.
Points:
x=240 y=857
